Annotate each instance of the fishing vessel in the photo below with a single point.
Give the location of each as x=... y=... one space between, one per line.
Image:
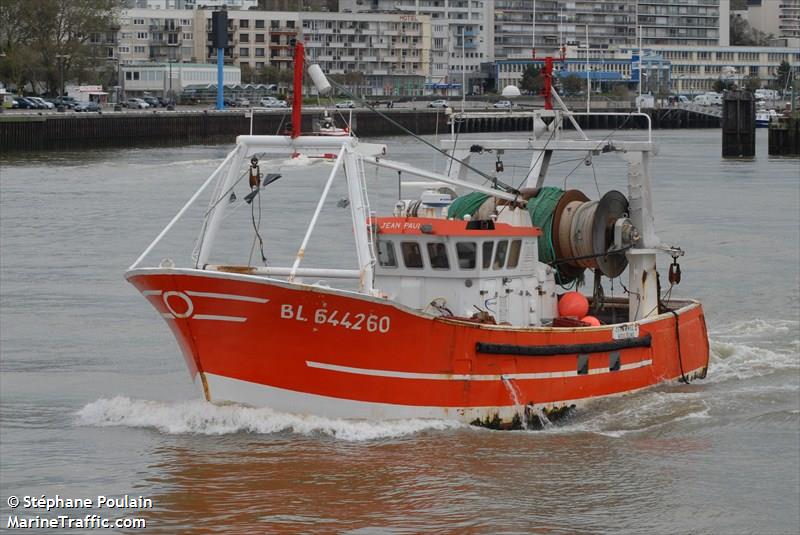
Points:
x=457 y=307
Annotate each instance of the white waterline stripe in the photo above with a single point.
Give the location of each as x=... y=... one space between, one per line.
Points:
x=227 y=296
x=467 y=377
x=151 y=292
x=218 y=318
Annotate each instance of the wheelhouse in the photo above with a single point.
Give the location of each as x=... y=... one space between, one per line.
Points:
x=461 y=268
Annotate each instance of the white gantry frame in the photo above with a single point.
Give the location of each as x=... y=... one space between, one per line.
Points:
x=351 y=154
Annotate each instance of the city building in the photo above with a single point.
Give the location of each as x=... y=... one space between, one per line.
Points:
x=462 y=37
x=384 y=54
x=606 y=70
x=298 y=5
x=779 y=18
x=695 y=69
x=609 y=23
x=684 y=22
x=167 y=79
x=155 y=35
x=192 y=4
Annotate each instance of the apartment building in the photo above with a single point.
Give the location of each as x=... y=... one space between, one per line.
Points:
x=192 y=4
x=391 y=51
x=609 y=24
x=561 y=23
x=160 y=35
x=684 y=22
x=462 y=35
x=789 y=21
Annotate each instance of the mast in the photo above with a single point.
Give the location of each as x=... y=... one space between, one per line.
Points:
x=297 y=97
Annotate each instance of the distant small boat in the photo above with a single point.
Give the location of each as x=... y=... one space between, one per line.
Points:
x=763 y=117
x=327 y=127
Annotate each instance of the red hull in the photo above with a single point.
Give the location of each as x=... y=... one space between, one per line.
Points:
x=334 y=353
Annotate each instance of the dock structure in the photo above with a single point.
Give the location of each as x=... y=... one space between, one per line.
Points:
x=44 y=131
x=784 y=136
x=738 y=125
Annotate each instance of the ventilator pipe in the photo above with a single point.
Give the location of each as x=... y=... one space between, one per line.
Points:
x=319 y=79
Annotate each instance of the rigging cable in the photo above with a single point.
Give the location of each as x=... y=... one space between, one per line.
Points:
x=419 y=138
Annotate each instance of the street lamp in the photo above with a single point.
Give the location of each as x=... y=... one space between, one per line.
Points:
x=61 y=58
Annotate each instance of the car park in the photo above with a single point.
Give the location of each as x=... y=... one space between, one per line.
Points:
x=503 y=104
x=346 y=104
x=441 y=103
x=241 y=103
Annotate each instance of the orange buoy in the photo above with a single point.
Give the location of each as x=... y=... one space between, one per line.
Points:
x=591 y=321
x=573 y=304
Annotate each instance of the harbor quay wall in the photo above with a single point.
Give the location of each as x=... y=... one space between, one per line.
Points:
x=54 y=131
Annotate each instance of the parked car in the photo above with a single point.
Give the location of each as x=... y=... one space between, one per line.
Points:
x=43 y=104
x=242 y=102
x=503 y=104
x=136 y=104
x=441 y=103
x=346 y=104
x=229 y=102
x=24 y=103
x=67 y=102
x=152 y=101
x=88 y=106
x=272 y=102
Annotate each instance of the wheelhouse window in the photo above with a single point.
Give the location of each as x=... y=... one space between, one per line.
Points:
x=500 y=254
x=488 y=246
x=513 y=254
x=412 y=255
x=437 y=254
x=386 y=256
x=467 y=254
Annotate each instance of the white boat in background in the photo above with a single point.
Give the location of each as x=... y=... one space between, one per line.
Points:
x=763 y=117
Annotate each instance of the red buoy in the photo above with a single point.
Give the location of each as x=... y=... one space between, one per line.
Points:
x=573 y=304
x=591 y=321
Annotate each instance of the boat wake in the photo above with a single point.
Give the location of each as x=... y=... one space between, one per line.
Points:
x=740 y=351
x=203 y=418
x=755 y=348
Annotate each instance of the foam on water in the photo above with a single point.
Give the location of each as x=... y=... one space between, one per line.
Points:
x=756 y=328
x=740 y=361
x=202 y=418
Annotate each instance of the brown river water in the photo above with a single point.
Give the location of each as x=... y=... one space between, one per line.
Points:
x=95 y=400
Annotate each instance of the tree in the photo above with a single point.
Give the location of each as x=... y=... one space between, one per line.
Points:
x=751 y=83
x=783 y=75
x=721 y=85
x=40 y=37
x=742 y=34
x=248 y=75
x=573 y=84
x=532 y=80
